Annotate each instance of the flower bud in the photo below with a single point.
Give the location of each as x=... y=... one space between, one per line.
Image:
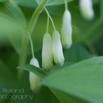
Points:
x=66 y=31
x=47 y=54
x=34 y=79
x=57 y=49
x=86 y=9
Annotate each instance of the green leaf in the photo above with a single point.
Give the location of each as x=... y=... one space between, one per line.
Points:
x=39 y=72
x=67 y=98
x=27 y=3
x=14 y=12
x=56 y=10
x=83 y=79
x=76 y=53
x=89 y=33
x=53 y=2
x=12 y=23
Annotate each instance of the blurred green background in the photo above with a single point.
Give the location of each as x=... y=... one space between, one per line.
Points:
x=14 y=18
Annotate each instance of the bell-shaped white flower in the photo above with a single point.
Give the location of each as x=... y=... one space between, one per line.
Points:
x=34 y=79
x=57 y=49
x=86 y=9
x=66 y=31
x=47 y=54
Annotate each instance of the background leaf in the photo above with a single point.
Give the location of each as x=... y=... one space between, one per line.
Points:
x=76 y=53
x=53 y=2
x=7 y=78
x=27 y=3
x=83 y=79
x=66 y=98
x=12 y=24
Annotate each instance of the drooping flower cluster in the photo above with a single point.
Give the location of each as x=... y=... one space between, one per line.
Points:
x=52 y=48
x=86 y=8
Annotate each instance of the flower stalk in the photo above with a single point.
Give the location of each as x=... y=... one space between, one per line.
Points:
x=50 y=18
x=29 y=30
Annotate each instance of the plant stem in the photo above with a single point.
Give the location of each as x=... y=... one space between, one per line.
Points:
x=66 y=5
x=32 y=49
x=47 y=24
x=50 y=18
x=29 y=30
x=92 y=50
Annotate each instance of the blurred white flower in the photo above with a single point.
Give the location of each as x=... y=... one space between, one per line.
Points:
x=66 y=31
x=34 y=79
x=57 y=49
x=86 y=9
x=47 y=54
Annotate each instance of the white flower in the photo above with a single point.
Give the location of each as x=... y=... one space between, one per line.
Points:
x=57 y=49
x=66 y=31
x=47 y=54
x=34 y=79
x=86 y=9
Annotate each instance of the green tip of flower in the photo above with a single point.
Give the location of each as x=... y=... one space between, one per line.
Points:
x=47 y=70
x=61 y=64
x=36 y=90
x=67 y=47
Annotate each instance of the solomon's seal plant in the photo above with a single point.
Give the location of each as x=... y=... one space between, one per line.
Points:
x=57 y=48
